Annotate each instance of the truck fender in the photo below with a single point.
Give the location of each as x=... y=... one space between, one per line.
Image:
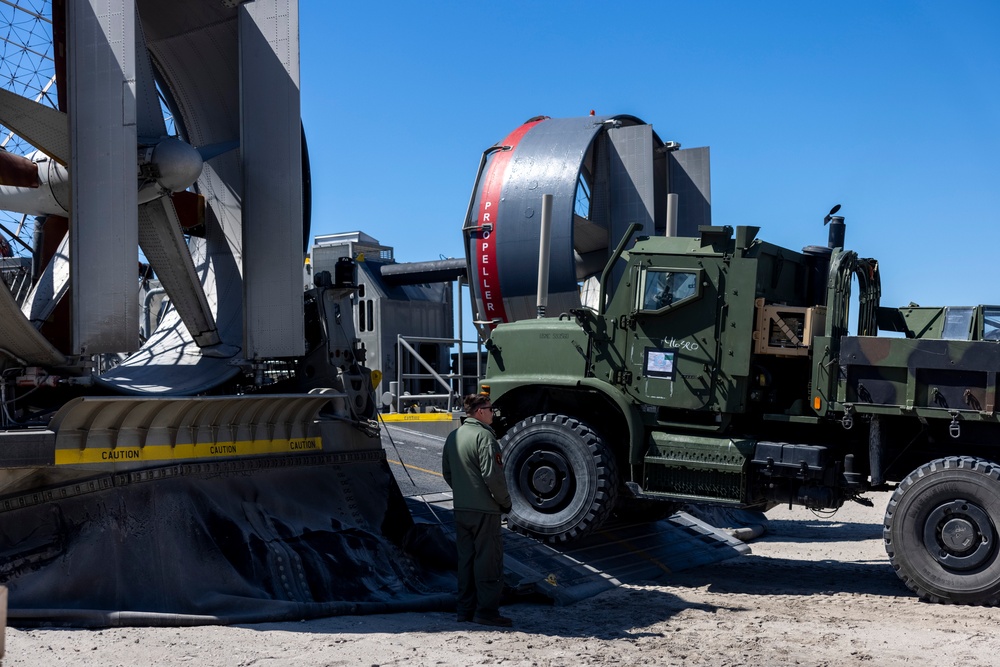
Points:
x=636 y=431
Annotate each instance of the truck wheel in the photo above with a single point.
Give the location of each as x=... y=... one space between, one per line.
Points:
x=561 y=476
x=941 y=534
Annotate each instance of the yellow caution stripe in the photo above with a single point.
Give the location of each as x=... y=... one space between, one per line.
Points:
x=417 y=417
x=202 y=450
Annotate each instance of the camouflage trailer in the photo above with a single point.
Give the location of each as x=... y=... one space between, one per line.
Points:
x=720 y=370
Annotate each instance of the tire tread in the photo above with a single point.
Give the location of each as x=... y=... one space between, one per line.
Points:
x=607 y=474
x=976 y=465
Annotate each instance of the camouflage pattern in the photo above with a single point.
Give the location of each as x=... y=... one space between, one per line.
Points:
x=941 y=376
x=724 y=338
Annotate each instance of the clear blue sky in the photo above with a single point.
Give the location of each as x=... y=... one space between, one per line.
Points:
x=891 y=109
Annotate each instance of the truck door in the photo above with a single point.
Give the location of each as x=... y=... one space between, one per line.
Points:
x=672 y=351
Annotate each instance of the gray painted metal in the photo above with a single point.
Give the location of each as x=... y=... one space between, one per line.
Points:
x=271 y=145
x=151 y=422
x=615 y=155
x=630 y=161
x=50 y=287
x=195 y=47
x=149 y=117
x=542 y=297
x=19 y=339
x=546 y=161
x=160 y=235
x=411 y=297
x=198 y=56
x=421 y=310
x=417 y=273
x=44 y=127
x=163 y=244
x=170 y=363
x=103 y=247
x=690 y=178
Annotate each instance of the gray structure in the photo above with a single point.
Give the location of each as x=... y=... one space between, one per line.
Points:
x=388 y=305
x=604 y=173
x=222 y=228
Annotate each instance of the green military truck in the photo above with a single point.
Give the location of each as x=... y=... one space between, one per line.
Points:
x=720 y=370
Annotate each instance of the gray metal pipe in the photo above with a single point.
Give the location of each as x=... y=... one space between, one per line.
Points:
x=632 y=229
x=418 y=273
x=672 y=201
x=544 y=245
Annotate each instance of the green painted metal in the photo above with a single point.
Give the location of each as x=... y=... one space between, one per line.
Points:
x=731 y=339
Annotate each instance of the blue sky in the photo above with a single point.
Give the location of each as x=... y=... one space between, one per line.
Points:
x=891 y=109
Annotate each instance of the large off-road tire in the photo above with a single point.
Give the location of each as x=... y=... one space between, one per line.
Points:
x=562 y=478
x=941 y=531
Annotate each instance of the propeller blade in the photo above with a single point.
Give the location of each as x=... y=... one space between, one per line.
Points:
x=163 y=245
x=18 y=171
x=215 y=150
x=22 y=341
x=50 y=287
x=41 y=126
x=103 y=246
x=271 y=152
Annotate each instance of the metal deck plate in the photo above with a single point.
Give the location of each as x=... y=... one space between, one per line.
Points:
x=615 y=555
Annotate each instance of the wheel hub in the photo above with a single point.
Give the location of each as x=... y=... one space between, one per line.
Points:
x=959 y=535
x=546 y=480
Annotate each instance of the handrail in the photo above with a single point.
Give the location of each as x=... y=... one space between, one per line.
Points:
x=632 y=229
x=445 y=380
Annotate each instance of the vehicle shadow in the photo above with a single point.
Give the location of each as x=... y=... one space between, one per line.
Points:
x=759 y=575
x=791 y=530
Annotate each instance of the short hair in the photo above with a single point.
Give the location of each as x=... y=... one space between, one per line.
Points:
x=475 y=401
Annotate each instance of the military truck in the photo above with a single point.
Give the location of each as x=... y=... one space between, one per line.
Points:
x=720 y=370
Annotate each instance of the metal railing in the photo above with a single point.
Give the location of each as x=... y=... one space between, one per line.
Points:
x=449 y=383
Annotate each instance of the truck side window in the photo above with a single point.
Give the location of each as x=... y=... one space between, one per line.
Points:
x=957 y=323
x=662 y=289
x=991 y=323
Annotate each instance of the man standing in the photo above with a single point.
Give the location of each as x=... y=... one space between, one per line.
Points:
x=473 y=468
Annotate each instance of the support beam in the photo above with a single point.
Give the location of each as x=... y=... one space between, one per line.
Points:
x=103 y=228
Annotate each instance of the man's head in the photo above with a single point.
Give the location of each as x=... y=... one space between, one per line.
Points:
x=479 y=408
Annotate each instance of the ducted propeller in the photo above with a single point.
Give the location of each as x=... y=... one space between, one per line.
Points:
x=105 y=308
x=229 y=71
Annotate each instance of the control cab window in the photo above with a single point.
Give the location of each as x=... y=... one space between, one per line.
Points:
x=991 y=323
x=665 y=288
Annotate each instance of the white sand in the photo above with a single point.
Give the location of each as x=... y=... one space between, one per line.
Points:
x=817 y=591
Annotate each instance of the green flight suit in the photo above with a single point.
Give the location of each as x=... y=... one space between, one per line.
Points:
x=473 y=468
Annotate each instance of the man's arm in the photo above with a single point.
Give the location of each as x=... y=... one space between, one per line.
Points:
x=449 y=445
x=491 y=467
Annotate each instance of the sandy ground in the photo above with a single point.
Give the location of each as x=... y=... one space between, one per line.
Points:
x=816 y=591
